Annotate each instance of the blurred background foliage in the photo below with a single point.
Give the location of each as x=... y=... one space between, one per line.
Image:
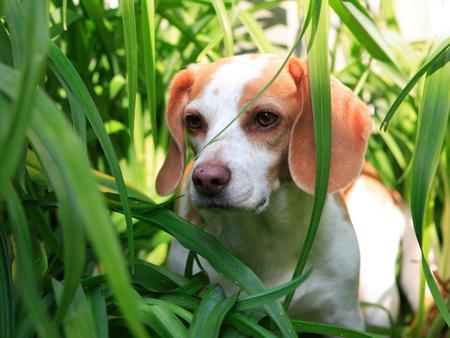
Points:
x=102 y=70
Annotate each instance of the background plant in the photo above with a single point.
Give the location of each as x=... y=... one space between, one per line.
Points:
x=83 y=92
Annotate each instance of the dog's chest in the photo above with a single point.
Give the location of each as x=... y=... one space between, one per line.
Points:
x=268 y=242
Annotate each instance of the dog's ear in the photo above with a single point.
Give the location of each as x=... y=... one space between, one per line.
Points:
x=172 y=170
x=351 y=127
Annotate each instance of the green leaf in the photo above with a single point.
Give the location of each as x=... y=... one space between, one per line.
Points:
x=432 y=126
x=178 y=310
x=79 y=321
x=98 y=308
x=256 y=32
x=247 y=326
x=270 y=295
x=62 y=156
x=7 y=299
x=363 y=29
x=210 y=313
x=319 y=86
x=153 y=277
x=413 y=81
x=148 y=38
x=329 y=330
x=75 y=88
x=162 y=320
x=31 y=65
x=129 y=30
x=222 y=16
x=26 y=274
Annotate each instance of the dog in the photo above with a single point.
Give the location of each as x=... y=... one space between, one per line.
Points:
x=253 y=184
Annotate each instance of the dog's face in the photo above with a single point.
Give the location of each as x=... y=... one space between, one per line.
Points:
x=271 y=142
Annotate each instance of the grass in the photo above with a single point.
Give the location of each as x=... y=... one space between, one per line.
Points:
x=82 y=99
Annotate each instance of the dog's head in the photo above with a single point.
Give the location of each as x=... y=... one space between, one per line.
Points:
x=270 y=143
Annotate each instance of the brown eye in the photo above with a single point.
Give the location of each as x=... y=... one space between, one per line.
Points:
x=193 y=121
x=266 y=119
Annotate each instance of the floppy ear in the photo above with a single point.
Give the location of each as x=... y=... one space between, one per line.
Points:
x=351 y=127
x=172 y=170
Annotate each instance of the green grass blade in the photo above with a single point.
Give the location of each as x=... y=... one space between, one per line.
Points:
x=26 y=276
x=31 y=67
x=222 y=16
x=432 y=126
x=178 y=310
x=98 y=308
x=162 y=320
x=210 y=313
x=154 y=277
x=75 y=88
x=148 y=38
x=79 y=321
x=330 y=330
x=220 y=259
x=273 y=294
x=64 y=13
x=363 y=29
x=7 y=299
x=319 y=84
x=129 y=30
x=247 y=326
x=61 y=150
x=35 y=215
x=413 y=81
x=256 y=32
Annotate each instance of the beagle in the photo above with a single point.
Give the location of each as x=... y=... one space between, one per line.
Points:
x=253 y=186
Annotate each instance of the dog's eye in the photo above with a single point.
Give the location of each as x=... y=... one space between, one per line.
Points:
x=266 y=119
x=193 y=121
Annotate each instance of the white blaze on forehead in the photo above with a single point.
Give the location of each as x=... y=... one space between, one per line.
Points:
x=218 y=101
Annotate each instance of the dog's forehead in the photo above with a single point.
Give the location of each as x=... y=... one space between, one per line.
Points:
x=219 y=86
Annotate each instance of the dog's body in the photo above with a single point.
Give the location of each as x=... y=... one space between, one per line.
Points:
x=252 y=185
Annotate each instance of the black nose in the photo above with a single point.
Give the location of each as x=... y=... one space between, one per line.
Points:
x=210 y=179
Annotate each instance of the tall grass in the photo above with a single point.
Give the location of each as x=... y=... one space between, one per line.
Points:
x=82 y=98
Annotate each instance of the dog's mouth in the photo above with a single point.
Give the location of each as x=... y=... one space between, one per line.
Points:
x=222 y=204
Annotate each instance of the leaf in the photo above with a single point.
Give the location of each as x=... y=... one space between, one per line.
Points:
x=432 y=126
x=161 y=320
x=256 y=32
x=148 y=37
x=222 y=16
x=62 y=156
x=79 y=321
x=75 y=88
x=319 y=86
x=99 y=312
x=413 y=81
x=329 y=330
x=26 y=274
x=210 y=313
x=270 y=295
x=31 y=64
x=129 y=31
x=363 y=29
x=7 y=298
x=157 y=278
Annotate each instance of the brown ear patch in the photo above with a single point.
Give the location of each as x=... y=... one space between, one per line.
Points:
x=351 y=126
x=172 y=170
